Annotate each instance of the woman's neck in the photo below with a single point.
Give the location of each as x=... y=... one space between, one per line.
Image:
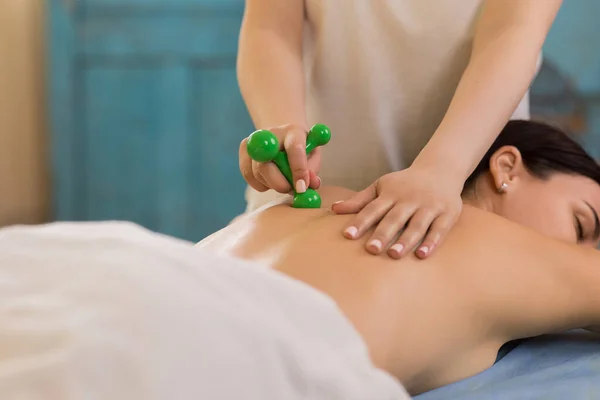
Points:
x=482 y=203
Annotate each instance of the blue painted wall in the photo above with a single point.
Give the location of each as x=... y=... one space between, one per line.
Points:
x=572 y=50
x=146 y=112
x=573 y=44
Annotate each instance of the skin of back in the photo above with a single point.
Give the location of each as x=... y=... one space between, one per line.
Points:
x=435 y=321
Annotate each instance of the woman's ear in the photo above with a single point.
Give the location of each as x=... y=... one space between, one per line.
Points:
x=506 y=167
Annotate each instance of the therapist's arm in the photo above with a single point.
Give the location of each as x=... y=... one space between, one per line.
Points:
x=271 y=79
x=426 y=197
x=508 y=40
x=270 y=69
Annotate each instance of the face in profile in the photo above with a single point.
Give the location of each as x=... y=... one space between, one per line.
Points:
x=562 y=206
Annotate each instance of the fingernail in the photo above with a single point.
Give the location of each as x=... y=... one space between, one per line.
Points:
x=319 y=180
x=300 y=186
x=337 y=202
x=376 y=245
x=351 y=232
x=424 y=250
x=397 y=248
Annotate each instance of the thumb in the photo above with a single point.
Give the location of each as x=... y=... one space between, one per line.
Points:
x=357 y=202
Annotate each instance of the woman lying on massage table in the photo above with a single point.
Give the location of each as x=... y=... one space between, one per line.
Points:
x=519 y=263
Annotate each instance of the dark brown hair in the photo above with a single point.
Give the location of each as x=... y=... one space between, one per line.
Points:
x=545 y=150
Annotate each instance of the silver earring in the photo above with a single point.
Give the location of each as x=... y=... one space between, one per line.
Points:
x=502 y=187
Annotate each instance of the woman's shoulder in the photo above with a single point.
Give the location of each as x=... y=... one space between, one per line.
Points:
x=481 y=229
x=475 y=220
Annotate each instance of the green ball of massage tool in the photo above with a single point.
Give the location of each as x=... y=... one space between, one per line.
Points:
x=308 y=199
x=263 y=146
x=319 y=135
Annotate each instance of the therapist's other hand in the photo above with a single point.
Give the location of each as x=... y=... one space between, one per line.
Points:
x=418 y=199
x=265 y=176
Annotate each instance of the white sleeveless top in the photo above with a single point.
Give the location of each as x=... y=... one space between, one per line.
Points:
x=381 y=74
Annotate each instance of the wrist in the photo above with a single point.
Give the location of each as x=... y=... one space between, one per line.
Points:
x=452 y=182
x=441 y=164
x=442 y=168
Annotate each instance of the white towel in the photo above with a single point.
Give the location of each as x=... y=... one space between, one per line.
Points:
x=111 y=311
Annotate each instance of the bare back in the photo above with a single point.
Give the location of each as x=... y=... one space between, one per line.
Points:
x=428 y=322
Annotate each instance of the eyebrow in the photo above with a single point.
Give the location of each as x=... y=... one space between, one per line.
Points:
x=596 y=222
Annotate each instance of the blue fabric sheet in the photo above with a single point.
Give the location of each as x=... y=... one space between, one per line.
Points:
x=562 y=367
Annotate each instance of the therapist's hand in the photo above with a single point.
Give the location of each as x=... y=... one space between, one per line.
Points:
x=265 y=176
x=427 y=203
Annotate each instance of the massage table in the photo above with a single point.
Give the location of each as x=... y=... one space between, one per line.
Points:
x=561 y=366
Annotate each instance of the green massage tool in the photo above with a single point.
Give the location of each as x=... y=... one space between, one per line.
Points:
x=263 y=147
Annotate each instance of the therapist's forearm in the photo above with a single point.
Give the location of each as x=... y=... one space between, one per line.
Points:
x=499 y=73
x=487 y=95
x=271 y=77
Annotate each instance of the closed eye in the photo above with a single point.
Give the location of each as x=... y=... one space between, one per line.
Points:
x=589 y=230
x=579 y=230
x=596 y=231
